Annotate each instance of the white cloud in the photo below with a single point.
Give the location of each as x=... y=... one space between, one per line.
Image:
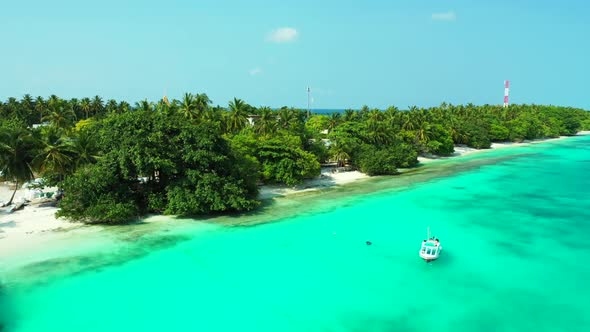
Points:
x=282 y=35
x=448 y=16
x=255 y=71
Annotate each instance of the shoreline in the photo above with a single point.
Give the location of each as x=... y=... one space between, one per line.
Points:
x=461 y=150
x=327 y=179
x=35 y=227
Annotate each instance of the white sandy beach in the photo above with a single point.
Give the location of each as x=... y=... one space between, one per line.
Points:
x=35 y=225
x=325 y=180
x=461 y=150
x=20 y=227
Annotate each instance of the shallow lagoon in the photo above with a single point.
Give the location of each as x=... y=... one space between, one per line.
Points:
x=513 y=223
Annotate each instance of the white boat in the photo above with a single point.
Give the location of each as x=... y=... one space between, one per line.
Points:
x=431 y=248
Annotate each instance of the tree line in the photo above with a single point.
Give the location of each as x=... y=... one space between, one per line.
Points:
x=116 y=161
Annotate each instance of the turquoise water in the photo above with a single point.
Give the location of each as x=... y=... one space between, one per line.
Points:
x=514 y=225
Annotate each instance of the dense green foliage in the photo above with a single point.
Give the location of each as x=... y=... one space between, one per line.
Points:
x=99 y=193
x=116 y=161
x=159 y=163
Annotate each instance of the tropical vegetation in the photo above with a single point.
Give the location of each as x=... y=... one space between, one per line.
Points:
x=116 y=161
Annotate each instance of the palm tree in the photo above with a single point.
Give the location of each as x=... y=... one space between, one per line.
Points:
x=362 y=113
x=124 y=107
x=162 y=106
x=437 y=114
x=143 y=105
x=238 y=115
x=97 y=106
x=17 y=151
x=61 y=117
x=12 y=106
x=55 y=157
x=84 y=148
x=393 y=117
x=408 y=121
x=40 y=107
x=214 y=114
x=266 y=123
x=334 y=120
x=350 y=115
x=188 y=106
x=27 y=101
x=74 y=104
x=85 y=106
x=378 y=131
x=53 y=102
x=456 y=129
x=339 y=153
x=202 y=103
x=111 y=106
x=287 y=118
x=26 y=109
x=375 y=116
x=422 y=126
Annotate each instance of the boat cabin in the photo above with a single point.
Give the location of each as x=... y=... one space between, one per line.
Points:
x=430 y=249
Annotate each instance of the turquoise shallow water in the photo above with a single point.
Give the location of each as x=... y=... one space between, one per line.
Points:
x=514 y=225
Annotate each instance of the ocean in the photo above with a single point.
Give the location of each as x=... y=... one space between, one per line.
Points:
x=513 y=224
x=327 y=111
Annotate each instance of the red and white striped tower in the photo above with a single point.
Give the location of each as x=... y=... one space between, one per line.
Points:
x=506 y=92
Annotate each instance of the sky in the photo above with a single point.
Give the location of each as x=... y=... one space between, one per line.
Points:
x=350 y=53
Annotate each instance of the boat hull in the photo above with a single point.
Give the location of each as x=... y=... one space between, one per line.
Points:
x=428 y=260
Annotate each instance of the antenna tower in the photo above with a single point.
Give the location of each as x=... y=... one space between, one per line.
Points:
x=506 y=92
